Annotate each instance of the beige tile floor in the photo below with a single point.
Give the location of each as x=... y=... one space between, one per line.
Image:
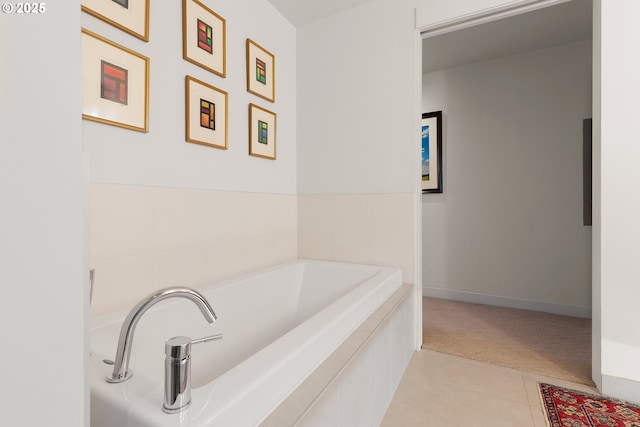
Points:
x=439 y=390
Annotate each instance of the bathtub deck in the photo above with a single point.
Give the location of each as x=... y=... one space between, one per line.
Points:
x=299 y=403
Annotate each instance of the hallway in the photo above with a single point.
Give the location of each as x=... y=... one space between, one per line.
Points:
x=532 y=341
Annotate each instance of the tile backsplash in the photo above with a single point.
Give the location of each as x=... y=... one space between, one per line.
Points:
x=363 y=228
x=145 y=238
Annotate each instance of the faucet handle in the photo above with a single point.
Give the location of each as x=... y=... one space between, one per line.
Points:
x=177 y=347
x=180 y=347
x=207 y=339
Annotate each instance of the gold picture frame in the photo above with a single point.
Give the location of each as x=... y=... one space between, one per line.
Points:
x=131 y=16
x=115 y=83
x=207 y=115
x=262 y=132
x=204 y=37
x=261 y=71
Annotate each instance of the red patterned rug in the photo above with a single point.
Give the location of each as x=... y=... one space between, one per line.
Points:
x=570 y=408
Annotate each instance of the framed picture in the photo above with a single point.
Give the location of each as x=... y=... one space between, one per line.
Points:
x=432 y=152
x=204 y=37
x=262 y=132
x=261 y=70
x=206 y=114
x=131 y=16
x=115 y=84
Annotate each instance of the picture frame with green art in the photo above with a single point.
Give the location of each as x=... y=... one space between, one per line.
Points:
x=262 y=132
x=261 y=71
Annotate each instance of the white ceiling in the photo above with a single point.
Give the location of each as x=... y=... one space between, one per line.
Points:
x=550 y=26
x=300 y=12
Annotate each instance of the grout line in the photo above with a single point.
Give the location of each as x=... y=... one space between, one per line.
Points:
x=529 y=400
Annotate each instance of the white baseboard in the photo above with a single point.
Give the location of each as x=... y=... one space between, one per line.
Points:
x=500 y=301
x=621 y=388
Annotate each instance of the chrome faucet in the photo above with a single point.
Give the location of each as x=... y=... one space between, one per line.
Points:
x=121 y=370
x=177 y=372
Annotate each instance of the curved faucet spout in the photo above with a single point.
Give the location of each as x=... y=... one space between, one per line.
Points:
x=121 y=363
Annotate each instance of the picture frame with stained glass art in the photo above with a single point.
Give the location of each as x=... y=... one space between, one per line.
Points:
x=261 y=71
x=115 y=84
x=262 y=132
x=204 y=37
x=206 y=110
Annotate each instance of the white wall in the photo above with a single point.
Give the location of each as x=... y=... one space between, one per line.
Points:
x=357 y=75
x=596 y=299
x=43 y=306
x=166 y=212
x=356 y=153
x=358 y=117
x=358 y=120
x=508 y=228
x=619 y=197
x=161 y=157
x=358 y=138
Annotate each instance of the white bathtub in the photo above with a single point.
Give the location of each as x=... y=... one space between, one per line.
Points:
x=279 y=324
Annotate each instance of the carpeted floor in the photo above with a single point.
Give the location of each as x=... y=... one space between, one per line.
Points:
x=547 y=344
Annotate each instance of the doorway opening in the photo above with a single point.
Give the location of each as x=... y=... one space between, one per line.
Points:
x=507 y=230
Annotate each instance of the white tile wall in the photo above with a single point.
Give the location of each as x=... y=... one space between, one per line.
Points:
x=121 y=279
x=120 y=221
x=362 y=228
x=145 y=238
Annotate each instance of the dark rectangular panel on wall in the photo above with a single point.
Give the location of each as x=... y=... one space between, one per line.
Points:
x=587 y=167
